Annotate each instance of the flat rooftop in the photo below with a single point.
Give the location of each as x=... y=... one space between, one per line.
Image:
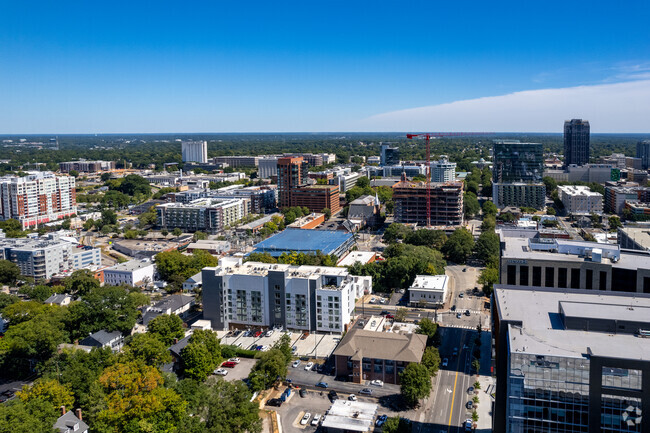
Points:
x=434 y=283
x=517 y=248
x=542 y=331
x=640 y=235
x=228 y=266
x=357 y=256
x=131 y=265
x=349 y=415
x=305 y=241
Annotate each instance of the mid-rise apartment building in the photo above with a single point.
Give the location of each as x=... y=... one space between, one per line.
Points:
x=237 y=161
x=42 y=258
x=317 y=197
x=84 y=166
x=570 y=361
x=576 y=142
x=306 y=298
x=292 y=173
x=616 y=196
x=446 y=201
x=580 y=200
x=260 y=198
x=389 y=155
x=267 y=167
x=443 y=170
x=210 y=215
x=195 y=151
x=294 y=188
x=567 y=264
x=519 y=194
x=37 y=198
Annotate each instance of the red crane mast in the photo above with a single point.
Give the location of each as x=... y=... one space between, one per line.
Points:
x=428 y=136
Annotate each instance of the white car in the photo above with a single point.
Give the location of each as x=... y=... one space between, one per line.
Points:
x=382 y=301
x=269 y=332
x=309 y=366
x=221 y=371
x=373 y=300
x=316 y=420
x=352 y=397
x=296 y=363
x=289 y=333
x=377 y=382
x=305 y=419
x=235 y=360
x=265 y=348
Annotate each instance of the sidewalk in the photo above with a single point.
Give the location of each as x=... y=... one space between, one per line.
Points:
x=484 y=411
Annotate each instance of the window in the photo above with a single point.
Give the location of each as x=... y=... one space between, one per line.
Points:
x=575 y=278
x=523 y=275
x=562 y=278
x=589 y=279
x=550 y=277
x=512 y=275
x=537 y=276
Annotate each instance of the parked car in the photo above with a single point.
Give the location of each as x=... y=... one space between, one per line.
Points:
x=458 y=316
x=309 y=366
x=467 y=313
x=274 y=402
x=377 y=382
x=322 y=385
x=316 y=419
x=381 y=420
x=258 y=333
x=269 y=332
x=221 y=371
x=390 y=316
x=289 y=333
x=302 y=392
x=366 y=391
x=461 y=295
x=445 y=362
x=469 y=404
x=305 y=335
x=352 y=397
x=382 y=301
x=333 y=395
x=470 y=390
x=468 y=425
x=235 y=360
x=296 y=363
x=373 y=300
x=294 y=348
x=229 y=364
x=305 y=418
x=453 y=308
x=265 y=348
x=455 y=352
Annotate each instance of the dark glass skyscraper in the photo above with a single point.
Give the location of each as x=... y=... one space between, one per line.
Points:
x=643 y=152
x=576 y=142
x=517 y=162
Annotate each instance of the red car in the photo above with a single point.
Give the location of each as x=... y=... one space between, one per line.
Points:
x=258 y=333
x=229 y=364
x=390 y=316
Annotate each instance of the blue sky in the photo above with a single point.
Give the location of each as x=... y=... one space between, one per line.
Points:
x=161 y=66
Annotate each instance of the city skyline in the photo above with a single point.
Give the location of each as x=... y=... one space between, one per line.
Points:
x=79 y=68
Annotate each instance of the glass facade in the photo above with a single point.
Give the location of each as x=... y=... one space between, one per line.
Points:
x=518 y=162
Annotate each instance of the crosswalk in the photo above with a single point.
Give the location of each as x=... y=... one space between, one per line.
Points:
x=452 y=325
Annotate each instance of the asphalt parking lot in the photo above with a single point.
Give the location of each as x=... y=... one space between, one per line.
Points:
x=313 y=346
x=241 y=371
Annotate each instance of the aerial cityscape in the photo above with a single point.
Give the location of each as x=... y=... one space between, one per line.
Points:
x=338 y=218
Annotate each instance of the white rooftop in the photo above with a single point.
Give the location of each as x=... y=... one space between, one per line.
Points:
x=356 y=416
x=434 y=283
x=130 y=266
x=578 y=190
x=357 y=256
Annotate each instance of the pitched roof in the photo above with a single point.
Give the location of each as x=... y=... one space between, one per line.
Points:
x=177 y=347
x=102 y=337
x=360 y=344
x=66 y=423
x=57 y=299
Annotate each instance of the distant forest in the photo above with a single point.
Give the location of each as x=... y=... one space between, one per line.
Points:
x=140 y=150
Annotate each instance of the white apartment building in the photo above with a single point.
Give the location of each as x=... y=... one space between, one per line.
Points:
x=132 y=273
x=253 y=294
x=443 y=170
x=431 y=289
x=37 y=198
x=580 y=199
x=195 y=151
x=210 y=215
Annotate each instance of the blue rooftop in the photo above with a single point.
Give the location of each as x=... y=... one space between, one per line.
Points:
x=306 y=241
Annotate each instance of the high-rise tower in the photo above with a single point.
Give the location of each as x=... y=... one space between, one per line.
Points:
x=195 y=151
x=576 y=142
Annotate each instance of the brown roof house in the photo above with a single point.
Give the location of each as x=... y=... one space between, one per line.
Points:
x=369 y=355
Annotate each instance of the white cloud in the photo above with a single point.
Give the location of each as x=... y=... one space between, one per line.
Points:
x=619 y=107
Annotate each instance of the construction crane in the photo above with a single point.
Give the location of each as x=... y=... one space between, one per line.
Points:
x=428 y=136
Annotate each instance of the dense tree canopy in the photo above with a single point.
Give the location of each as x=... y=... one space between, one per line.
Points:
x=459 y=246
x=9 y=272
x=415 y=383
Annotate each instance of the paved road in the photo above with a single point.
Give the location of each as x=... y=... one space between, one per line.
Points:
x=308 y=380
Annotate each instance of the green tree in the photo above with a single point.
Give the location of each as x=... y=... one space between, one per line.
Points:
x=489 y=223
x=32 y=341
x=400 y=314
x=396 y=231
x=431 y=360
x=614 y=223
x=197 y=236
x=148 y=349
x=488 y=278
x=489 y=208
x=470 y=205
x=109 y=217
x=38 y=292
x=167 y=328
x=202 y=355
x=487 y=246
x=34 y=416
x=105 y=176
x=50 y=390
x=133 y=184
x=284 y=346
x=427 y=327
x=397 y=424
x=7 y=299
x=136 y=401
x=327 y=212
x=415 y=383
x=459 y=246
x=20 y=312
x=270 y=367
x=177 y=232
x=9 y=272
x=81 y=282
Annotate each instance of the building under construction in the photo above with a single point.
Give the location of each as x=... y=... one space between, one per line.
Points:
x=411 y=203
